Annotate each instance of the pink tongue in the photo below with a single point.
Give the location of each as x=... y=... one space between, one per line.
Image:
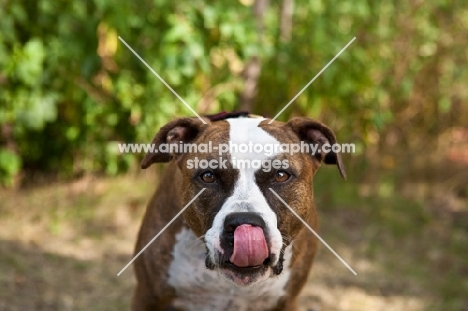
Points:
x=250 y=248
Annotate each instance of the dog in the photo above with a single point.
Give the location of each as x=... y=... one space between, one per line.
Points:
x=236 y=246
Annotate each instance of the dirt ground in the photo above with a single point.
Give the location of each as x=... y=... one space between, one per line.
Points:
x=62 y=245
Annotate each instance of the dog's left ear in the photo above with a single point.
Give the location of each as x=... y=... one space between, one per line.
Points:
x=183 y=130
x=314 y=132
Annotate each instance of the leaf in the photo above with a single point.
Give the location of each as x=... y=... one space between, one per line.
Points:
x=30 y=63
x=10 y=165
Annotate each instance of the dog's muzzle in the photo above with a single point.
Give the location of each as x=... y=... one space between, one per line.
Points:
x=245 y=246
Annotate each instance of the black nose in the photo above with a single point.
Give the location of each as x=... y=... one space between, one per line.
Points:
x=234 y=220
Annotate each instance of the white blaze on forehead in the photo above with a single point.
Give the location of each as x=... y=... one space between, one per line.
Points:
x=247 y=196
x=245 y=131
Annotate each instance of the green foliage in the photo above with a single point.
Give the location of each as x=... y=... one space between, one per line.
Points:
x=70 y=89
x=9 y=166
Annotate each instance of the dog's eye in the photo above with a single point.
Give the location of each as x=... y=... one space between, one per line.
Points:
x=208 y=177
x=281 y=176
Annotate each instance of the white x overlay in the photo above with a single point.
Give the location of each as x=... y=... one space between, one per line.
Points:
x=159 y=233
x=201 y=119
x=313 y=231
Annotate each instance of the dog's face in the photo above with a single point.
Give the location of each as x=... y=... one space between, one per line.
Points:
x=245 y=226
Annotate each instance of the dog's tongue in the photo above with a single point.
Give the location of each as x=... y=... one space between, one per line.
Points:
x=250 y=248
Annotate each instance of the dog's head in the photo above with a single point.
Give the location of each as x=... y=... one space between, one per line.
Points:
x=245 y=226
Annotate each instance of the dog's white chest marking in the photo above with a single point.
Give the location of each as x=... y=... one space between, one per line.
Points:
x=198 y=288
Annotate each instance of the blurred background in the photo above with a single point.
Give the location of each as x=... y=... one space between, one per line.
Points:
x=71 y=204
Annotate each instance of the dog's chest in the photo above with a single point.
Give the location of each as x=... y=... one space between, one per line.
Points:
x=198 y=288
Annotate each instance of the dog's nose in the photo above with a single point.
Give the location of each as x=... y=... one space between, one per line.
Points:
x=234 y=220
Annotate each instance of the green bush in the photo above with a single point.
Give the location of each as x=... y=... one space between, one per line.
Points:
x=70 y=89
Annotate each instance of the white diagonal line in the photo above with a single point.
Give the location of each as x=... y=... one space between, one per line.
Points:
x=161 y=79
x=313 y=231
x=162 y=230
x=316 y=76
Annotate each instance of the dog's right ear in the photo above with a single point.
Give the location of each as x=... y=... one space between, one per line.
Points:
x=182 y=130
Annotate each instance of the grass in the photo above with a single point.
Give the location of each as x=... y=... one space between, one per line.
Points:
x=63 y=244
x=411 y=253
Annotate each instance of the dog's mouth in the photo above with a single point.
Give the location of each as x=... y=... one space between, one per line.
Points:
x=249 y=246
x=247 y=275
x=246 y=258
